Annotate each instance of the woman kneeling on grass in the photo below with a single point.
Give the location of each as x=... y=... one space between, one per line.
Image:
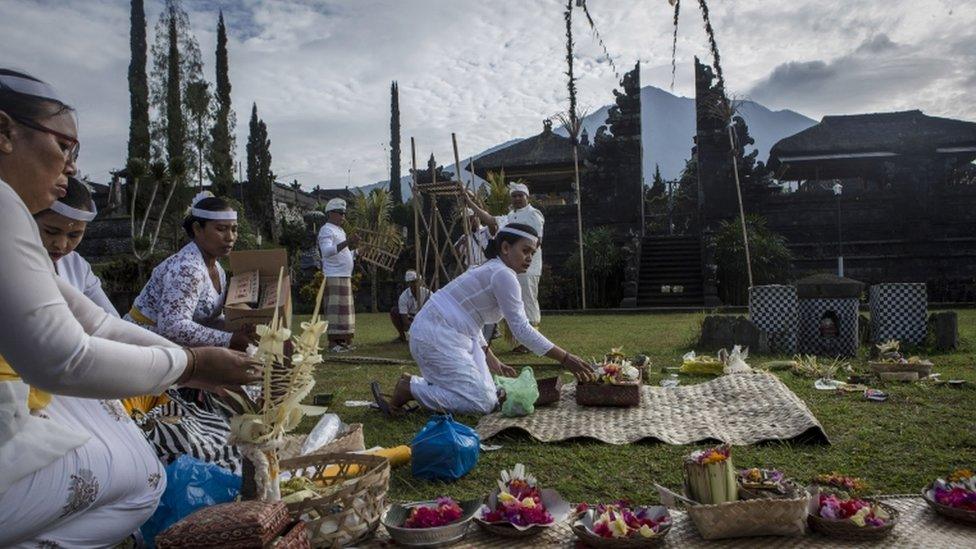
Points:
x=446 y=338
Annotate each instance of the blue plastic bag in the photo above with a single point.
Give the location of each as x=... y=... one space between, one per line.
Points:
x=444 y=449
x=191 y=484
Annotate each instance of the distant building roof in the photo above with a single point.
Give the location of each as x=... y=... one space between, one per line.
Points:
x=878 y=134
x=545 y=149
x=846 y=146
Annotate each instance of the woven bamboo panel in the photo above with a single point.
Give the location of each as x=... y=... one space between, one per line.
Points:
x=737 y=409
x=918 y=526
x=440 y=188
x=380 y=249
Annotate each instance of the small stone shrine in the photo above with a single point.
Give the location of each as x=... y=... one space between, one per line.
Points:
x=899 y=311
x=773 y=309
x=828 y=315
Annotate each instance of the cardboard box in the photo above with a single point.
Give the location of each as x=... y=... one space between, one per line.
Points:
x=244 y=288
x=267 y=264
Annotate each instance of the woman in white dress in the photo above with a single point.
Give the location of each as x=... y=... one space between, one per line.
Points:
x=71 y=472
x=446 y=340
x=62 y=228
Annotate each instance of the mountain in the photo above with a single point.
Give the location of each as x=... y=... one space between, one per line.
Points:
x=668 y=130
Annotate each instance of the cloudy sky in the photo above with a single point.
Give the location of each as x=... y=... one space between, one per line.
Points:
x=320 y=70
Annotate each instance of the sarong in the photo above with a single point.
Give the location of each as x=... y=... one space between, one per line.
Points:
x=339 y=308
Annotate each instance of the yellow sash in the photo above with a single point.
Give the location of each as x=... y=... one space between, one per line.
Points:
x=137 y=315
x=36 y=398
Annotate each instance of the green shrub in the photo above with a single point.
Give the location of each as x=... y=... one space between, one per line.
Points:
x=771 y=258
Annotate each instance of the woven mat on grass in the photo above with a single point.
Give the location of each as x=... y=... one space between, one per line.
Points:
x=918 y=526
x=738 y=409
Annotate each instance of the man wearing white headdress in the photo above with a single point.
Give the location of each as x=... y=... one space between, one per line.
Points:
x=337 y=262
x=523 y=213
x=471 y=247
x=411 y=300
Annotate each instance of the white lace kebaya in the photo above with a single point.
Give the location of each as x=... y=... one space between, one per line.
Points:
x=181 y=303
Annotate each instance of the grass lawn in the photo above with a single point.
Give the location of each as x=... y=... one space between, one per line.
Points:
x=921 y=432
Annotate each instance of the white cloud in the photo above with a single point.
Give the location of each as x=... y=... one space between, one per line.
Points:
x=320 y=70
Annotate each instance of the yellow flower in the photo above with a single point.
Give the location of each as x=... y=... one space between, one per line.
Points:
x=861 y=514
x=646 y=531
x=960 y=475
x=505 y=498
x=618 y=527
x=528 y=503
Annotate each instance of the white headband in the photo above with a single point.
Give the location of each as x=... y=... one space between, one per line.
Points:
x=74 y=213
x=220 y=215
x=27 y=86
x=523 y=234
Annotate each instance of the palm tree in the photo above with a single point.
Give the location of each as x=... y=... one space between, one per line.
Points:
x=369 y=214
x=494 y=195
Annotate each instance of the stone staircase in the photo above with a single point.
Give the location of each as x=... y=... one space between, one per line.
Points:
x=669 y=261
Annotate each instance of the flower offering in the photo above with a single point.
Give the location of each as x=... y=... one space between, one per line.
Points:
x=958 y=491
x=443 y=512
x=860 y=512
x=840 y=483
x=619 y=520
x=519 y=500
x=710 y=477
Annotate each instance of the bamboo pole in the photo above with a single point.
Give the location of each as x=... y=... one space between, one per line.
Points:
x=416 y=216
x=464 y=218
x=579 y=221
x=738 y=192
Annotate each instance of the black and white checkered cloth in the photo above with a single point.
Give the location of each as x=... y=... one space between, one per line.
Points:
x=773 y=309
x=899 y=311
x=810 y=340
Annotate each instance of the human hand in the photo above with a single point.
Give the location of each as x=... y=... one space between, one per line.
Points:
x=214 y=368
x=353 y=241
x=580 y=368
x=242 y=337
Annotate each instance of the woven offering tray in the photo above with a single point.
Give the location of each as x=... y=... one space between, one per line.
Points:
x=549 y=388
x=579 y=524
x=623 y=395
x=923 y=369
x=846 y=529
x=953 y=513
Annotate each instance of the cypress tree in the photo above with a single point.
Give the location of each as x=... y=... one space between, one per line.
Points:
x=222 y=155
x=138 y=84
x=396 y=193
x=175 y=127
x=259 y=199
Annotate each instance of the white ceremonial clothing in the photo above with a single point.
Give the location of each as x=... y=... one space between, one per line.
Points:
x=447 y=342
x=408 y=304
x=532 y=217
x=181 y=302
x=59 y=341
x=472 y=248
x=529 y=280
x=78 y=272
x=94 y=496
x=335 y=262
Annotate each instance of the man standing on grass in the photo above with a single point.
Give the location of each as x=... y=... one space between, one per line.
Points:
x=409 y=304
x=521 y=211
x=337 y=261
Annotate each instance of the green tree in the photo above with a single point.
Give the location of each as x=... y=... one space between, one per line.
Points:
x=771 y=258
x=138 y=84
x=494 y=194
x=221 y=170
x=371 y=212
x=259 y=192
x=603 y=260
x=173 y=35
x=198 y=101
x=396 y=192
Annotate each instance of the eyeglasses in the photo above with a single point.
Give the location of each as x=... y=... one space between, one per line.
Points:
x=70 y=151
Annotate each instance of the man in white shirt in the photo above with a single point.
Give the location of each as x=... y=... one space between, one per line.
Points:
x=521 y=212
x=337 y=262
x=472 y=247
x=409 y=304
